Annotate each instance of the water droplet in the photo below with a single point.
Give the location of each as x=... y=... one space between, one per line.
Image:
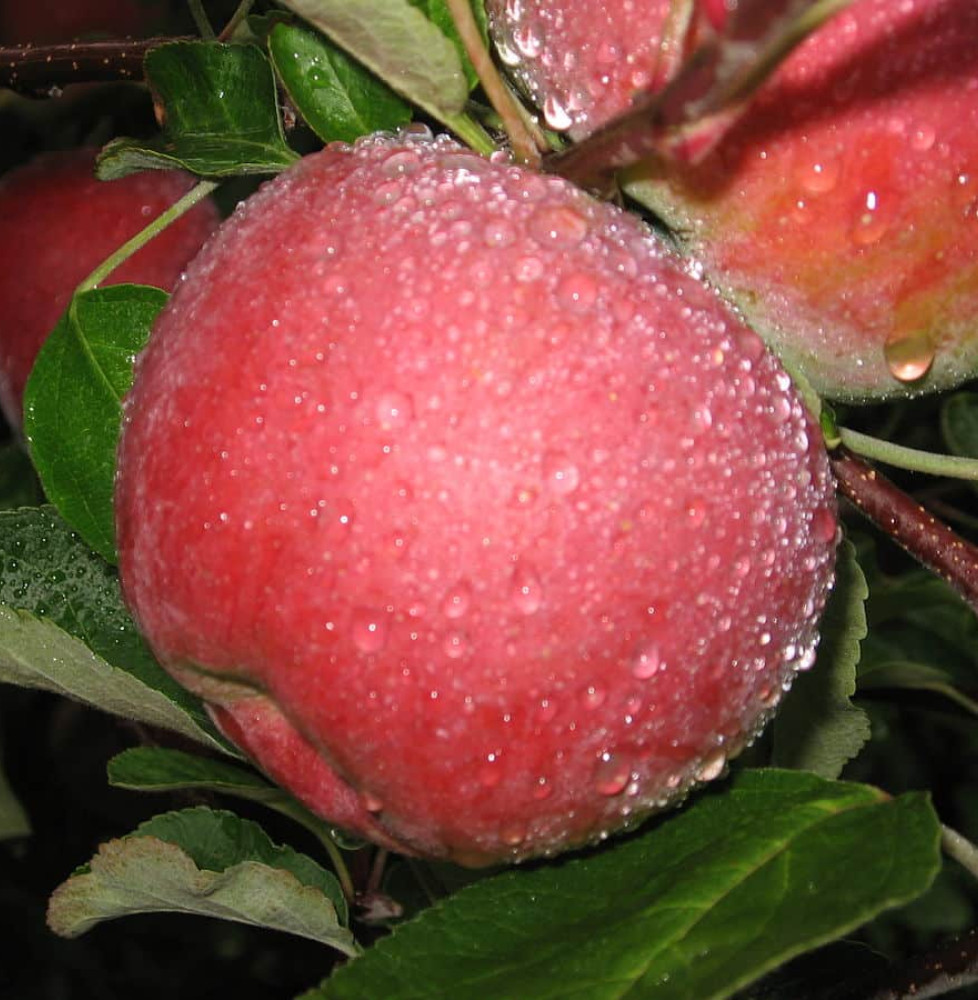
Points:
x=529 y=269
x=870 y=223
x=611 y=774
x=824 y=525
x=647 y=661
x=818 y=175
x=922 y=138
x=542 y=789
x=528 y=40
x=455 y=645
x=405 y=161
x=593 y=697
x=527 y=592
x=393 y=410
x=513 y=833
x=490 y=773
x=371 y=803
x=556 y=114
x=499 y=233
x=712 y=766
x=909 y=356
x=457 y=601
x=560 y=474
x=577 y=292
x=368 y=629
x=558 y=225
x=547 y=710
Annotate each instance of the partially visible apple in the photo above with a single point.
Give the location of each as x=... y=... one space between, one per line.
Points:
x=44 y=22
x=57 y=224
x=478 y=523
x=841 y=213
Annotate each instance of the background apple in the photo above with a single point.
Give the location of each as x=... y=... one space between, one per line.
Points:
x=482 y=527
x=839 y=214
x=57 y=223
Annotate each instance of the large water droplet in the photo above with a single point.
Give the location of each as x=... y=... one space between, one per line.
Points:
x=556 y=114
x=558 y=225
x=455 y=645
x=870 y=224
x=817 y=175
x=909 y=356
x=647 y=661
x=712 y=766
x=611 y=774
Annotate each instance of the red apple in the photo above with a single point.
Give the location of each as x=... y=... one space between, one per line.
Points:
x=480 y=525
x=45 y=22
x=57 y=224
x=841 y=213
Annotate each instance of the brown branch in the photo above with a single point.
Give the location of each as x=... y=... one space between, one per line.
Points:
x=936 y=974
x=926 y=538
x=43 y=69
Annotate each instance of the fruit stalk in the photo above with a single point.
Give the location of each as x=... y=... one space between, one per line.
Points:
x=926 y=538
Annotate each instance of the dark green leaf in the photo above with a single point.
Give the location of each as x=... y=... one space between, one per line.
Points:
x=18 y=483
x=818 y=728
x=13 y=819
x=73 y=403
x=210 y=863
x=699 y=907
x=220 y=114
x=338 y=97
x=161 y=769
x=73 y=633
x=959 y=423
x=399 y=44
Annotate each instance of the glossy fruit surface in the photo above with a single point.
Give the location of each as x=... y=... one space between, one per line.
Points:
x=57 y=224
x=480 y=525
x=841 y=213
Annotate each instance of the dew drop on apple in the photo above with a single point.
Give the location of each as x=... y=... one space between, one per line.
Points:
x=371 y=802
x=712 y=766
x=393 y=410
x=577 y=292
x=909 y=356
x=368 y=629
x=542 y=789
x=817 y=175
x=513 y=833
x=647 y=661
x=560 y=474
x=490 y=773
x=455 y=644
x=870 y=223
x=457 y=600
x=556 y=114
x=611 y=774
x=593 y=697
x=528 y=40
x=922 y=138
x=558 y=226
x=526 y=589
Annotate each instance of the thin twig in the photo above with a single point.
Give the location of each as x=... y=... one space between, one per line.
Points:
x=912 y=459
x=957 y=846
x=243 y=10
x=938 y=973
x=526 y=146
x=44 y=69
x=926 y=538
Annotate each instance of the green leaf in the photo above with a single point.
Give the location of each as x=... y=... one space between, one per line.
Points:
x=13 y=819
x=160 y=769
x=18 y=483
x=959 y=423
x=438 y=12
x=220 y=114
x=912 y=676
x=399 y=44
x=818 y=728
x=73 y=403
x=698 y=907
x=64 y=628
x=208 y=863
x=338 y=98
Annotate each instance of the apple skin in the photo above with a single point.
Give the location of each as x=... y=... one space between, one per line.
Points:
x=48 y=22
x=57 y=224
x=840 y=214
x=480 y=525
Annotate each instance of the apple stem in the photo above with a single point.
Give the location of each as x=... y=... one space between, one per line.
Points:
x=242 y=11
x=44 y=69
x=377 y=870
x=202 y=21
x=911 y=459
x=956 y=846
x=926 y=538
x=709 y=91
x=526 y=144
x=178 y=208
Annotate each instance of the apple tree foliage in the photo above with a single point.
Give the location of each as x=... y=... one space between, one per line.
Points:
x=824 y=837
